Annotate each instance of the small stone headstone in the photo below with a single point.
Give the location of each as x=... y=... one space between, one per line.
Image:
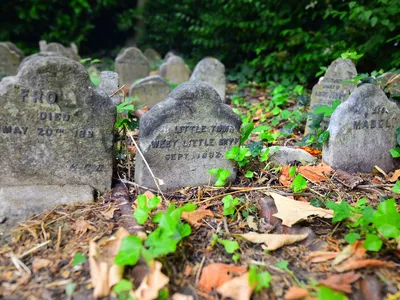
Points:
x=131 y=65
x=42 y=45
x=56 y=128
x=150 y=90
x=175 y=70
x=330 y=88
x=362 y=131
x=186 y=135
x=211 y=71
x=14 y=48
x=74 y=48
x=108 y=83
x=59 y=50
x=9 y=61
x=169 y=54
x=152 y=56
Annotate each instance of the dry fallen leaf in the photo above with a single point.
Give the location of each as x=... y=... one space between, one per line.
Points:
x=152 y=283
x=194 y=217
x=321 y=256
x=284 y=177
x=40 y=263
x=81 y=227
x=341 y=282
x=250 y=222
x=237 y=288
x=395 y=176
x=313 y=152
x=272 y=241
x=109 y=213
x=103 y=272
x=215 y=275
x=292 y=211
x=354 y=264
x=315 y=173
x=296 y=293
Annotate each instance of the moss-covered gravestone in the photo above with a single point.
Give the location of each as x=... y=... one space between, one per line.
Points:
x=131 y=65
x=56 y=129
x=150 y=90
x=186 y=135
x=362 y=132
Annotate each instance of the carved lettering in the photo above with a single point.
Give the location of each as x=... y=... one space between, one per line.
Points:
x=9 y=129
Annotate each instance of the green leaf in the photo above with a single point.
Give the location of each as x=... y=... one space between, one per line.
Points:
x=229 y=204
x=324 y=109
x=123 y=286
x=292 y=171
x=246 y=131
x=249 y=174
x=236 y=257
x=396 y=188
x=341 y=211
x=325 y=293
x=373 y=242
x=299 y=183
x=352 y=237
x=395 y=152
x=141 y=215
x=264 y=155
x=323 y=137
x=69 y=289
x=283 y=265
x=389 y=231
x=153 y=202
x=259 y=280
x=316 y=202
x=230 y=246
x=213 y=171
x=78 y=259
x=373 y=21
x=129 y=251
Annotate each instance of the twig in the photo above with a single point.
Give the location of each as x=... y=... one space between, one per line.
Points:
x=200 y=269
x=226 y=225
x=18 y=263
x=375 y=185
x=34 y=249
x=117 y=90
x=58 y=238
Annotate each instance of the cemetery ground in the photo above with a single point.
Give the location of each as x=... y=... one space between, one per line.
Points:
x=274 y=233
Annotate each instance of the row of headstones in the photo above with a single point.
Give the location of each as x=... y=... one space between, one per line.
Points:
x=362 y=128
x=133 y=68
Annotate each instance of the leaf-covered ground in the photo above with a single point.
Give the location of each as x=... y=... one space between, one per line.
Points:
x=254 y=238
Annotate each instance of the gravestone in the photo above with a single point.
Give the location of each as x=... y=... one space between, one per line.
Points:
x=58 y=49
x=131 y=65
x=175 y=70
x=186 y=135
x=14 y=48
x=152 y=56
x=9 y=61
x=211 y=71
x=55 y=129
x=169 y=54
x=362 y=131
x=109 y=84
x=150 y=90
x=329 y=88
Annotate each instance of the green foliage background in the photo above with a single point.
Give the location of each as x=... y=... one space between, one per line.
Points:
x=263 y=40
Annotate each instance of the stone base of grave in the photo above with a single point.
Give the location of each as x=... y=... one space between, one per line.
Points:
x=17 y=203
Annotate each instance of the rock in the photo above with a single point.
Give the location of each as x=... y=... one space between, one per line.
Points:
x=152 y=56
x=329 y=88
x=150 y=90
x=59 y=50
x=211 y=71
x=18 y=202
x=175 y=70
x=9 y=60
x=284 y=156
x=186 y=135
x=362 y=131
x=55 y=128
x=108 y=83
x=131 y=65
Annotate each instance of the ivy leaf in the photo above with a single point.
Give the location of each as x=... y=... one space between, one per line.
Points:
x=299 y=183
x=229 y=204
x=396 y=188
x=246 y=131
x=129 y=251
x=153 y=202
x=351 y=237
x=373 y=242
x=341 y=211
x=78 y=259
x=395 y=152
x=249 y=174
x=292 y=171
x=259 y=280
x=230 y=246
x=325 y=293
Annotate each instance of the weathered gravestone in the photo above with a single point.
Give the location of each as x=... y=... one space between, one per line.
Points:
x=152 y=56
x=55 y=129
x=186 y=135
x=330 y=88
x=150 y=90
x=169 y=54
x=131 y=65
x=14 y=48
x=362 y=131
x=108 y=83
x=58 y=49
x=175 y=70
x=9 y=60
x=211 y=71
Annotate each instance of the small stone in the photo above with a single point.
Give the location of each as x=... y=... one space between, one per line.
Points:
x=284 y=156
x=175 y=70
x=211 y=71
x=185 y=136
x=131 y=65
x=330 y=88
x=9 y=60
x=150 y=90
x=362 y=131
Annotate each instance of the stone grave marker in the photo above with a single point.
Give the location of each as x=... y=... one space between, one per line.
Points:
x=131 y=65
x=169 y=54
x=56 y=129
x=175 y=70
x=362 y=131
x=59 y=49
x=152 y=56
x=9 y=60
x=329 y=88
x=14 y=48
x=211 y=71
x=108 y=83
x=150 y=90
x=186 y=135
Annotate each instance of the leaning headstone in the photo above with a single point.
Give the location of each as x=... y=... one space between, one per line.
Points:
x=175 y=70
x=55 y=129
x=211 y=71
x=152 y=56
x=108 y=83
x=184 y=136
x=131 y=65
x=150 y=90
x=330 y=88
x=362 y=131
x=9 y=61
